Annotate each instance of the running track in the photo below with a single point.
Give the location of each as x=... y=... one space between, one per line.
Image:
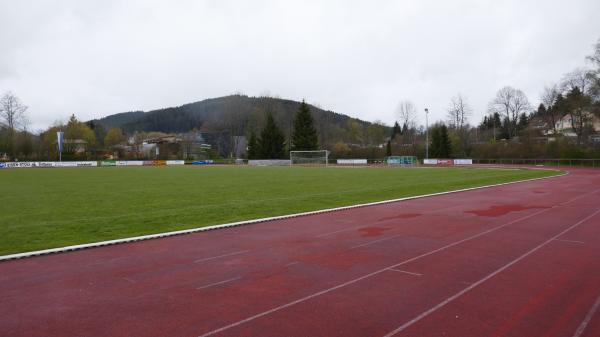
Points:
x=514 y=260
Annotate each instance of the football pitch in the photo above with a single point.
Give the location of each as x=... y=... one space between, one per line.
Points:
x=47 y=208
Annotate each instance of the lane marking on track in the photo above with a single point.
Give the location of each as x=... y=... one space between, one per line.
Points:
x=489 y=276
x=220 y=256
x=377 y=272
x=587 y=319
x=375 y=241
x=405 y=272
x=570 y=241
x=292 y=263
x=217 y=283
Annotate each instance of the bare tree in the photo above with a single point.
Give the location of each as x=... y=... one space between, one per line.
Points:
x=12 y=111
x=459 y=112
x=12 y=115
x=594 y=75
x=510 y=103
x=580 y=78
x=548 y=98
x=406 y=113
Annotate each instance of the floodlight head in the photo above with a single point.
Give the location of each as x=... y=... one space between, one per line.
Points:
x=426 y=110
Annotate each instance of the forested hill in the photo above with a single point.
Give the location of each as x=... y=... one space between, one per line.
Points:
x=238 y=115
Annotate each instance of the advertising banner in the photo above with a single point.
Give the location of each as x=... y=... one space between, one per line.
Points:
x=447 y=162
x=463 y=161
x=2 y=165
x=135 y=163
x=209 y=161
x=66 y=164
x=19 y=164
x=46 y=164
x=108 y=163
x=430 y=161
x=175 y=162
x=86 y=163
x=352 y=162
x=160 y=163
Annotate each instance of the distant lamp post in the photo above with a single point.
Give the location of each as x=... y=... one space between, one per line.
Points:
x=426 y=133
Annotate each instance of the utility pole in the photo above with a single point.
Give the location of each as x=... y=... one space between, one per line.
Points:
x=426 y=133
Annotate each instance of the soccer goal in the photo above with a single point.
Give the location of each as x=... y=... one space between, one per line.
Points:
x=309 y=158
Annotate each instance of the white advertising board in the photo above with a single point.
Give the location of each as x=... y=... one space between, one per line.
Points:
x=352 y=162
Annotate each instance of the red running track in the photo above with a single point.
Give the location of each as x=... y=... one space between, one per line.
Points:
x=514 y=260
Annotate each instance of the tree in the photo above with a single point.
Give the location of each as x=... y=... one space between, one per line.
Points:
x=376 y=132
x=304 y=135
x=253 y=150
x=272 y=141
x=578 y=107
x=396 y=130
x=594 y=75
x=441 y=146
x=114 y=137
x=510 y=103
x=76 y=130
x=579 y=78
x=406 y=112
x=388 y=148
x=12 y=114
x=458 y=112
x=550 y=99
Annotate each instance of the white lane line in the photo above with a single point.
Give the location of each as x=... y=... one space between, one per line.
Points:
x=339 y=231
x=489 y=276
x=570 y=241
x=292 y=263
x=405 y=272
x=587 y=319
x=221 y=282
x=375 y=241
x=129 y=280
x=220 y=256
x=347 y=283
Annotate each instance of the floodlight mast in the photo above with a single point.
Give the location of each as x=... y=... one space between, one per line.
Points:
x=426 y=133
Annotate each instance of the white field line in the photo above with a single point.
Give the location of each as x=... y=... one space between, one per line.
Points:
x=489 y=276
x=221 y=282
x=219 y=256
x=405 y=272
x=376 y=241
x=570 y=241
x=587 y=318
x=248 y=222
x=394 y=266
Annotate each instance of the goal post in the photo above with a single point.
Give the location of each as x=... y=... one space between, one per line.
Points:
x=309 y=158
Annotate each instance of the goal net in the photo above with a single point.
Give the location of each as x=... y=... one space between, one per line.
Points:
x=309 y=158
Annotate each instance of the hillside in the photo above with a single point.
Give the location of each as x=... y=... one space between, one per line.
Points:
x=238 y=115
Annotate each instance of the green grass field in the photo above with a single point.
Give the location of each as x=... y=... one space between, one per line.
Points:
x=46 y=208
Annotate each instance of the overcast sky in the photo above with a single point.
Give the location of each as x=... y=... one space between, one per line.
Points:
x=95 y=58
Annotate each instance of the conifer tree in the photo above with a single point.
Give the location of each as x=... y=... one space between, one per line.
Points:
x=388 y=148
x=396 y=130
x=304 y=136
x=253 y=149
x=272 y=142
